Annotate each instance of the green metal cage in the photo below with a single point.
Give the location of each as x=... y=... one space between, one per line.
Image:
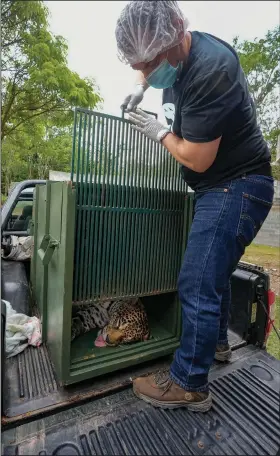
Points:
x=118 y=229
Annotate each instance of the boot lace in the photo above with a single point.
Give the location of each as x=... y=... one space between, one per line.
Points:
x=163 y=380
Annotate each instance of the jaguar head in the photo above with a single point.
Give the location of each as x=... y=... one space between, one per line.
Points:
x=110 y=336
x=113 y=336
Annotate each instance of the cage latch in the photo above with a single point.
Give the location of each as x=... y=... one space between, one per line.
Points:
x=47 y=248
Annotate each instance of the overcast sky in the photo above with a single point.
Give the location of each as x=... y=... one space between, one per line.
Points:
x=89 y=28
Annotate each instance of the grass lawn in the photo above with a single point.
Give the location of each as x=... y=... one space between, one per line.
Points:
x=269 y=258
x=263 y=255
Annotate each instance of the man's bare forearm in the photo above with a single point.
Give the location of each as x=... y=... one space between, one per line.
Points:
x=195 y=156
x=174 y=145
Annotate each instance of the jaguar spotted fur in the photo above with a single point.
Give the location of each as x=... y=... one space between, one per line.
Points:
x=121 y=321
x=86 y=319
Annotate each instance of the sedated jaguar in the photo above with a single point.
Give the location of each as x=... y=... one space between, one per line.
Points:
x=121 y=321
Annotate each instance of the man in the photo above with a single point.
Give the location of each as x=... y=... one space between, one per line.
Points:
x=225 y=160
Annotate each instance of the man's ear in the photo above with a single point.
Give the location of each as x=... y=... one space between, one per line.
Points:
x=178 y=23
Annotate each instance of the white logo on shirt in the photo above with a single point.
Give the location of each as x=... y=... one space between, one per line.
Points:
x=169 y=111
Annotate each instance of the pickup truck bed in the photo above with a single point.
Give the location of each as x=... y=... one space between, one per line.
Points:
x=30 y=386
x=103 y=417
x=244 y=419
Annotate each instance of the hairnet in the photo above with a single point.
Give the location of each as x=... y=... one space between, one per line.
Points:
x=148 y=28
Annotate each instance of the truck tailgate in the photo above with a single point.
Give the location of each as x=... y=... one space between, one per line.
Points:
x=244 y=419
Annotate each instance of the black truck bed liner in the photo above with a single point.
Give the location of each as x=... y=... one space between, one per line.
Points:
x=31 y=387
x=244 y=419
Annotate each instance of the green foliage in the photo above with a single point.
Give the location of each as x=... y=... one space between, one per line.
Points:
x=260 y=62
x=39 y=93
x=276 y=172
x=40 y=154
x=36 y=80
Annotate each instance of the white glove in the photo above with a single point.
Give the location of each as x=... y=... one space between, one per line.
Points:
x=148 y=125
x=133 y=99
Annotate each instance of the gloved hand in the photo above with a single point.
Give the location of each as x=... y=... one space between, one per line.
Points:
x=133 y=99
x=148 y=125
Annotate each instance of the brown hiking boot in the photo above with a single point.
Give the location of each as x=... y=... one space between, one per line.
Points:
x=160 y=391
x=223 y=352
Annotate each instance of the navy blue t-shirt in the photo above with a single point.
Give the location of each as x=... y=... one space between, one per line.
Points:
x=211 y=99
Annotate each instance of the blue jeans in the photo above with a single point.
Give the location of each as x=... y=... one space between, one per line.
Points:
x=226 y=220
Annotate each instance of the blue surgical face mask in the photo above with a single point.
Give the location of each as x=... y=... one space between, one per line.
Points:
x=163 y=76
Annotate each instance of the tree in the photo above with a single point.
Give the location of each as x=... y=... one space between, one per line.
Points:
x=36 y=80
x=31 y=154
x=260 y=62
x=39 y=93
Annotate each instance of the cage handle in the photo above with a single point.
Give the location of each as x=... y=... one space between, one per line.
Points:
x=47 y=248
